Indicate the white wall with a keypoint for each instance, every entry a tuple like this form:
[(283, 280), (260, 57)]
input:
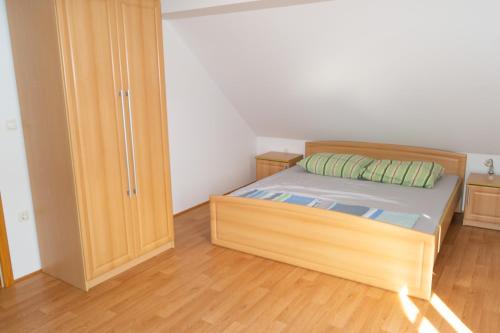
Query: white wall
[(211, 147), (265, 144), (14, 181), (475, 163), (424, 73)]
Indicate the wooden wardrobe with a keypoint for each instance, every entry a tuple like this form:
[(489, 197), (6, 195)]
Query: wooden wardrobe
[(92, 94)]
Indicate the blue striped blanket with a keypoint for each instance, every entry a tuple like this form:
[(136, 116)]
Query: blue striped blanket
[(406, 220)]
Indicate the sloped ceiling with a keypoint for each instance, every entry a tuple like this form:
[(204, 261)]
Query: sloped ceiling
[(423, 72), (173, 9)]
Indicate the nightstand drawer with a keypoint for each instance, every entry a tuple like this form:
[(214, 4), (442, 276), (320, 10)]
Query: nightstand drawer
[(268, 168), (483, 204), (273, 162)]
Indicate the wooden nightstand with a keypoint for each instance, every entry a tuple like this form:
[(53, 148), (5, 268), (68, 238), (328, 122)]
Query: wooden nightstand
[(482, 207), (272, 162)]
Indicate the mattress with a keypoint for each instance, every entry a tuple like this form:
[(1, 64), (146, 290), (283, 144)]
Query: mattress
[(429, 203)]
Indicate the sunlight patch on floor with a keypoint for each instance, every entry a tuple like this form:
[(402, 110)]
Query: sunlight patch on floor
[(448, 315), (426, 327), (409, 307)]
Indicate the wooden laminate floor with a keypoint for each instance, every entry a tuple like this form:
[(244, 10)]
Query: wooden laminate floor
[(198, 287)]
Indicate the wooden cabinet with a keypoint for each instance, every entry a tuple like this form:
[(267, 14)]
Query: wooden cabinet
[(273, 162), (91, 85), (483, 202)]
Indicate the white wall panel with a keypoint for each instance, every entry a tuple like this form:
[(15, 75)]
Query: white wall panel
[(211, 147)]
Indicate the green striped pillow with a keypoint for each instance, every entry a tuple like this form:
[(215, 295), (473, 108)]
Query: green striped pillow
[(406, 173), (336, 165)]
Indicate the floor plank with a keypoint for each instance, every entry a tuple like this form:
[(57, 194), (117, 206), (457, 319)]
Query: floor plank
[(198, 287)]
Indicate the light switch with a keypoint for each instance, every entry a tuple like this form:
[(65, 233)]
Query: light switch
[(11, 124), (24, 216)]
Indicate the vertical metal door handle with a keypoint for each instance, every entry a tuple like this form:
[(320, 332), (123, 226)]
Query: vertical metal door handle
[(121, 93), (131, 119), (467, 203)]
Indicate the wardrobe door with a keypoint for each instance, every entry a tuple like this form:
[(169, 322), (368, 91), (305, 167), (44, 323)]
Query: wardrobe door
[(141, 49), (91, 68)]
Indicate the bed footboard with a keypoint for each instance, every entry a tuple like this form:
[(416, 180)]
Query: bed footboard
[(346, 246)]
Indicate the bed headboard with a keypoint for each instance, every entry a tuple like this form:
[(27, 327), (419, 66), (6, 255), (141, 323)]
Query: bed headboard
[(453, 163)]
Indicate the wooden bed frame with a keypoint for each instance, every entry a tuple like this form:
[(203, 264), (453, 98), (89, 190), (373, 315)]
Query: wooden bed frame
[(347, 246)]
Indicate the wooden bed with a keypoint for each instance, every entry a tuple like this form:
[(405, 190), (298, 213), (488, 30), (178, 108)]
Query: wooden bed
[(346, 246)]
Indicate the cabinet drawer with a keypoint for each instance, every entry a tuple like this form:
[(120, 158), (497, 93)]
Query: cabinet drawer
[(268, 168), (483, 204)]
